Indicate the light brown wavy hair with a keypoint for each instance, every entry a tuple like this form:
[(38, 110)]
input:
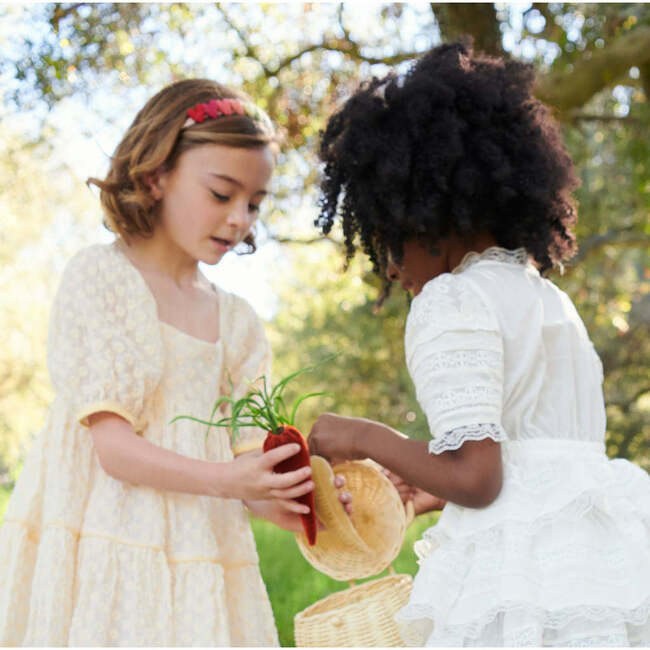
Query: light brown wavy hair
[(156, 139)]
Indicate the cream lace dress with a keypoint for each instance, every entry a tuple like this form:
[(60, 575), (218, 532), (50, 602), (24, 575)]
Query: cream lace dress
[(89, 560), (562, 556)]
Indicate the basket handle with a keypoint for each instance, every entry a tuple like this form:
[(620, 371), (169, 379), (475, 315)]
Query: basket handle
[(391, 571)]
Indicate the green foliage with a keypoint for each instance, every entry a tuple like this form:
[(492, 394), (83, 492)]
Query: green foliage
[(263, 407), (5, 493), (31, 255), (324, 311)]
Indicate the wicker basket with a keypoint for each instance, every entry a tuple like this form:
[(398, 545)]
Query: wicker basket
[(365, 543), (361, 616)]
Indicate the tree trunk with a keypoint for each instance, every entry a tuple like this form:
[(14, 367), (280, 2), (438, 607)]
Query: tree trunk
[(476, 19)]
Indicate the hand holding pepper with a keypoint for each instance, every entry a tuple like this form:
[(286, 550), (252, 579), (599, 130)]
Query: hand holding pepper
[(283, 470), (251, 476)]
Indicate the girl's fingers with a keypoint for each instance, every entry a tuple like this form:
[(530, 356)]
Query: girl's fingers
[(289, 479), (405, 491), (339, 481), (294, 491), (345, 497), (294, 506), (272, 457)]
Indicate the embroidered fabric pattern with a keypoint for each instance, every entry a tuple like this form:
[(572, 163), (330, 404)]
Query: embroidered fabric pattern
[(456, 437), (455, 358)]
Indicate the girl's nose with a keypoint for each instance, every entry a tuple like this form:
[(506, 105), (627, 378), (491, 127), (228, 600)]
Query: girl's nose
[(392, 271), (240, 216)]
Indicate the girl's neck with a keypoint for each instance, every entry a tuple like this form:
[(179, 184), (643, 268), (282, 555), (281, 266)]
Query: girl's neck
[(160, 256), (457, 248)]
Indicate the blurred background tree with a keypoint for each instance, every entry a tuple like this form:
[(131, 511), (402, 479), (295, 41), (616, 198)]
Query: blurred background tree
[(69, 70), (73, 75)]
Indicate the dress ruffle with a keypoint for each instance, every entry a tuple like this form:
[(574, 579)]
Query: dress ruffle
[(560, 558), (95, 591)]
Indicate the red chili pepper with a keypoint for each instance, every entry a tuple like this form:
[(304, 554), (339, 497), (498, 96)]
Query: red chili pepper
[(266, 409), (282, 436)]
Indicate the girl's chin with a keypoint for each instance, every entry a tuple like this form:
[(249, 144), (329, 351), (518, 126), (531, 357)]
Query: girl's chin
[(212, 259)]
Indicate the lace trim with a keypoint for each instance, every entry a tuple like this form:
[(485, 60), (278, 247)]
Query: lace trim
[(454, 359), (453, 439), (457, 634), (495, 254)]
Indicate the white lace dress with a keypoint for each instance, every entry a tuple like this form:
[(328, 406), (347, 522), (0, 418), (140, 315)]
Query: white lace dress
[(89, 560), (562, 556)]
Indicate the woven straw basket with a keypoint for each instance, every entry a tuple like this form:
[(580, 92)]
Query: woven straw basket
[(354, 547)]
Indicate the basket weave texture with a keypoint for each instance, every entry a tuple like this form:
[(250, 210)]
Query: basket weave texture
[(361, 616), (355, 547), (378, 518)]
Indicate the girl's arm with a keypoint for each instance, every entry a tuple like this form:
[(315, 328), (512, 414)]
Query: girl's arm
[(128, 457), (469, 476)]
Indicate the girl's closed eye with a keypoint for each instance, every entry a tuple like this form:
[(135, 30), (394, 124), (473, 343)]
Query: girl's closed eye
[(220, 197)]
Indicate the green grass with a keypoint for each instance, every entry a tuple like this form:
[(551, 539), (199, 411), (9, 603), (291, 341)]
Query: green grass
[(5, 493), (292, 583)]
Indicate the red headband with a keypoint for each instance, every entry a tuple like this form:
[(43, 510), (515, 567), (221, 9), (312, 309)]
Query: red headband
[(216, 108)]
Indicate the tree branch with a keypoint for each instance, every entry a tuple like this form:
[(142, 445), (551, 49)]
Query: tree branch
[(311, 240), (250, 50), (577, 116), (287, 61), (567, 89), (625, 404), (627, 237), (644, 70), (60, 13), (345, 46)]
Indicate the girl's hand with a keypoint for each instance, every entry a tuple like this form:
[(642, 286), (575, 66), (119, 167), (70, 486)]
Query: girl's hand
[(336, 436), (286, 513), (344, 497), (422, 501), (251, 477), (277, 512)]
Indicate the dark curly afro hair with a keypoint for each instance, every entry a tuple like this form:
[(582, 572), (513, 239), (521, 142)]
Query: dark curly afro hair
[(457, 145)]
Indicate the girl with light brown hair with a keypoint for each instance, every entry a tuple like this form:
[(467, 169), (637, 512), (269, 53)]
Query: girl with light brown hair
[(124, 529)]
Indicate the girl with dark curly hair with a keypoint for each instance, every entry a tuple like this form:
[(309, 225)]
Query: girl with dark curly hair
[(456, 183)]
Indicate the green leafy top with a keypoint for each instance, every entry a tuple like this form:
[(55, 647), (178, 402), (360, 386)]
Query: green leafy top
[(259, 407)]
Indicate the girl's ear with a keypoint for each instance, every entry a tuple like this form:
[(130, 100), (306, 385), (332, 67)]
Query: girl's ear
[(155, 182)]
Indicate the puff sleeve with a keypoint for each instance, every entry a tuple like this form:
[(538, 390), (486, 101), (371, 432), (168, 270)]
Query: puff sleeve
[(104, 346), (454, 353), (247, 358)]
